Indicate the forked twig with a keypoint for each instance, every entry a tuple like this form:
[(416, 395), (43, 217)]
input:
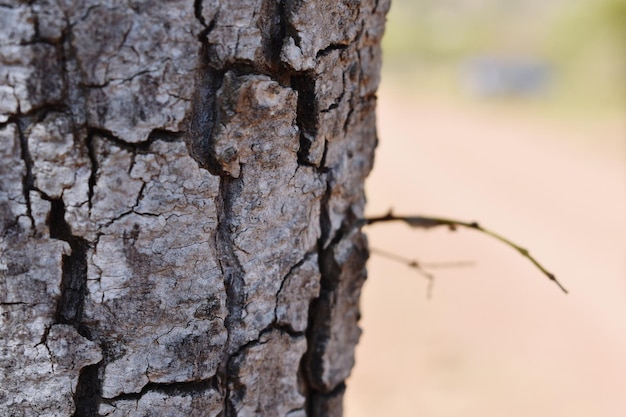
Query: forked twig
[(413, 263), (419, 266), (430, 222)]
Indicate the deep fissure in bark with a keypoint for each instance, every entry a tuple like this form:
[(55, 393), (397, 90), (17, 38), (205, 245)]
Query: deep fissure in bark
[(233, 283), (307, 371), (28, 181), (319, 329), (197, 10), (320, 401), (169, 388), (71, 303), (306, 116), (204, 115), (325, 404), (163, 135), (87, 396), (273, 29), (231, 268), (74, 267), (93, 176)]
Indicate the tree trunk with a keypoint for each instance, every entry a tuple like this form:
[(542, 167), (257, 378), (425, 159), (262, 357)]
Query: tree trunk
[(179, 185)]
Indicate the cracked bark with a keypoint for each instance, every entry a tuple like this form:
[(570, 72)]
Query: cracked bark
[(178, 193)]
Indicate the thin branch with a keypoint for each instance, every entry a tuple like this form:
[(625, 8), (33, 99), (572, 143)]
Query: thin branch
[(430, 222), (419, 267), (413, 263)]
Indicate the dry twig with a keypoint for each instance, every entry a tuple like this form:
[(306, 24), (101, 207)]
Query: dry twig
[(430, 222), (420, 267)]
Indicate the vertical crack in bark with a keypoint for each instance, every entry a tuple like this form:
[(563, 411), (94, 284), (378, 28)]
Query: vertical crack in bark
[(318, 331), (306, 115), (87, 396), (93, 177), (325, 404), (232, 269), (314, 306), (197, 10), (203, 113), (28, 181), (321, 399), (74, 266), (71, 302), (232, 272), (272, 23), (325, 224)]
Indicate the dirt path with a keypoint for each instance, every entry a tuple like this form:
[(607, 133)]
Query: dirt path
[(496, 339)]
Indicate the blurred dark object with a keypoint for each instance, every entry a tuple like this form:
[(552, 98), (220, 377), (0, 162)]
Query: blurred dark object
[(513, 77)]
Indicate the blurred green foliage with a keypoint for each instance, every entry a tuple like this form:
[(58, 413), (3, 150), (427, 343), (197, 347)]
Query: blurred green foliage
[(583, 42)]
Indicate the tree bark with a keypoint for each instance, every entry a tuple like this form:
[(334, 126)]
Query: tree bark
[(179, 189)]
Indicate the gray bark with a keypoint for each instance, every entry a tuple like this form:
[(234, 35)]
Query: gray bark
[(179, 184)]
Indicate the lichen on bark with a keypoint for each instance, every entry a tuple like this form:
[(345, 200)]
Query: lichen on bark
[(178, 193)]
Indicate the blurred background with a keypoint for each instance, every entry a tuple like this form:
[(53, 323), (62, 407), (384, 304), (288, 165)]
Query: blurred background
[(513, 114)]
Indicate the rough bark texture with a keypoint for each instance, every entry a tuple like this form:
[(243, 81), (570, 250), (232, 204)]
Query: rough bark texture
[(179, 183)]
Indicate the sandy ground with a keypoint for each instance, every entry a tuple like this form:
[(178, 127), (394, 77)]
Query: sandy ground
[(496, 339)]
